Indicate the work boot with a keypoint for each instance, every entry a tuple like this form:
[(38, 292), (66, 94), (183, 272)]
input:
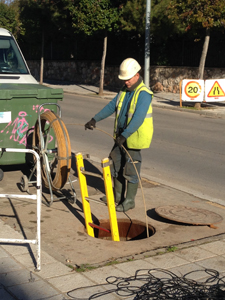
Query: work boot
[(129, 202), (119, 188)]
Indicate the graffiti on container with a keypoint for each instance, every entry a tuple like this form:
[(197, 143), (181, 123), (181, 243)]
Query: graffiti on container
[(35, 107), (18, 128)]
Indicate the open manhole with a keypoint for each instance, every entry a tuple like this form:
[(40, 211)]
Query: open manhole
[(129, 230)]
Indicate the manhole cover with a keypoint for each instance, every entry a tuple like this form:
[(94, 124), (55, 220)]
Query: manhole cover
[(188, 215)]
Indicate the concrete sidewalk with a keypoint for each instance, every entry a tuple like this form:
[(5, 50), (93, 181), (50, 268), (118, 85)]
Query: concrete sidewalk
[(159, 265), (201, 263)]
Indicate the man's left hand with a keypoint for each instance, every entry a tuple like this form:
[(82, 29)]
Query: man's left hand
[(120, 140)]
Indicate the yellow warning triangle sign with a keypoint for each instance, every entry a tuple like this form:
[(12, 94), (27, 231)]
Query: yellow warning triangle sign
[(216, 91)]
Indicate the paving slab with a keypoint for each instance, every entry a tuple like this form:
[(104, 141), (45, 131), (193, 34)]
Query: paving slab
[(217, 247), (130, 269), (7, 264), (5, 295), (91, 292), (195, 272), (3, 253), (213, 263), (167, 261), (33, 291), (71, 281), (196, 253), (17, 277)]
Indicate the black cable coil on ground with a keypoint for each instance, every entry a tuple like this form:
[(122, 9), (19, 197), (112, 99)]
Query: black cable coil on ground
[(158, 284)]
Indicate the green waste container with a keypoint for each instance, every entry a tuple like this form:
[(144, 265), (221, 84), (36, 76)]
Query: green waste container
[(18, 114)]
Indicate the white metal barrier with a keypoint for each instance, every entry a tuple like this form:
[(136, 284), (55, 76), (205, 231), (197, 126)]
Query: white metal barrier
[(37, 197)]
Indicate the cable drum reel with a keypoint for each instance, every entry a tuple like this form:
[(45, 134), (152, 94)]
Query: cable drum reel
[(52, 143), (56, 162)]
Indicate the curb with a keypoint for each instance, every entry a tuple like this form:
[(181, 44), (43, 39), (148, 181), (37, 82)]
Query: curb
[(200, 112)]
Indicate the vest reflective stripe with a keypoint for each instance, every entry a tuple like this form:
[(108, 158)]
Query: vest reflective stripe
[(147, 116), (141, 138)]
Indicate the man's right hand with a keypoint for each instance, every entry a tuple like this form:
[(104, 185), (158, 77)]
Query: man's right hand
[(90, 124), (120, 140)]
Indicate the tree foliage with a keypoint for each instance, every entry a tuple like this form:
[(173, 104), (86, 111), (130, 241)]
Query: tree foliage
[(162, 28), (90, 16), (9, 18), (196, 14), (41, 14), (133, 16), (43, 17)]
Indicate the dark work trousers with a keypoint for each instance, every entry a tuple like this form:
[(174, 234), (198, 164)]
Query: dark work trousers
[(122, 164)]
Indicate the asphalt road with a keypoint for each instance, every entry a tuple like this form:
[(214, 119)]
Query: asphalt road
[(187, 151)]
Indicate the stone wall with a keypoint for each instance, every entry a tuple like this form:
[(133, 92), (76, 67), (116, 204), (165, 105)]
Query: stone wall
[(88, 72)]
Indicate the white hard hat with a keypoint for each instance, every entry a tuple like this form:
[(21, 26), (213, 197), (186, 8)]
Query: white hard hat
[(128, 68)]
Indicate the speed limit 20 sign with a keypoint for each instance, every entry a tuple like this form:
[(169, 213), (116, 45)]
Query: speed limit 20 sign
[(192, 90)]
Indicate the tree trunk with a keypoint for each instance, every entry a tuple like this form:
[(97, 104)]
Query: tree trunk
[(103, 66), (204, 54), (42, 58), (203, 59)]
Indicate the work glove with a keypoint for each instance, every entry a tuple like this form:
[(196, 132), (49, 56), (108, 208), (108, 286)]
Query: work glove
[(120, 140), (90, 124)]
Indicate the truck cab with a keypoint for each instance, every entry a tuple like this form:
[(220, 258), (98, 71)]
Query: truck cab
[(13, 67)]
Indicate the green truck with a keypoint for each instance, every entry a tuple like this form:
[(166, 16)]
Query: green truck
[(20, 97)]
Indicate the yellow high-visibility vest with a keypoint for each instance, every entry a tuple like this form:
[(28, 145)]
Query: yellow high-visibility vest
[(141, 138)]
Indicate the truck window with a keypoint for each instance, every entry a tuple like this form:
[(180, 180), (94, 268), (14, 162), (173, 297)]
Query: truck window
[(11, 61)]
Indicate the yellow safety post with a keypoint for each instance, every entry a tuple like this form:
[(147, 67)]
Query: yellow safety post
[(84, 194), (110, 200)]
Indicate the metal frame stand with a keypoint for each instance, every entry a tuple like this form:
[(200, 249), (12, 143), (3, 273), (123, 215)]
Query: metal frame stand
[(37, 197)]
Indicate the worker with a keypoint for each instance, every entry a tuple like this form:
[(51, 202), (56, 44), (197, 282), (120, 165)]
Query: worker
[(133, 129)]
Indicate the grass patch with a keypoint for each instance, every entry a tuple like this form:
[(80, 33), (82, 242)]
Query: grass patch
[(110, 263), (130, 259), (81, 268), (191, 107), (171, 249)]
